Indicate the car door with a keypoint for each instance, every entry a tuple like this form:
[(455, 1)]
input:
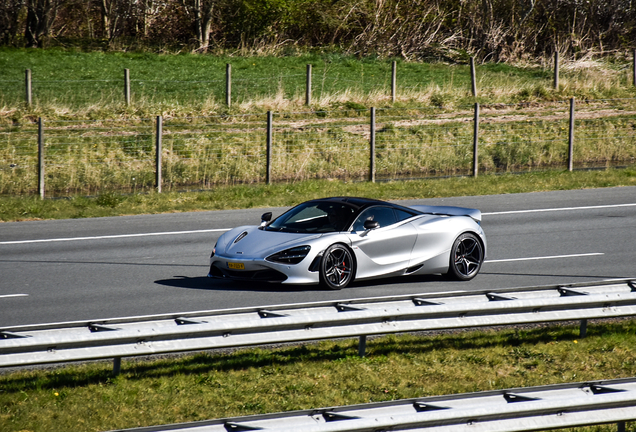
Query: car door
[(385, 249)]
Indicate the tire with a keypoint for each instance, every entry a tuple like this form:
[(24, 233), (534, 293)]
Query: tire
[(466, 257), (337, 267)]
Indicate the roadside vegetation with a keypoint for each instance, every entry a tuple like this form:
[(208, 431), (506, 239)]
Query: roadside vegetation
[(96, 144), (261, 380)]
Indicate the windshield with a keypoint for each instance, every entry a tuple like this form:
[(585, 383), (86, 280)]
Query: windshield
[(314, 217)]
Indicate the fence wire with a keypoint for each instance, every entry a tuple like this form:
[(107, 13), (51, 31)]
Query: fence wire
[(197, 153)]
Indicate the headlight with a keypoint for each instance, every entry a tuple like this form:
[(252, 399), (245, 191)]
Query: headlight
[(290, 256), (213, 250)]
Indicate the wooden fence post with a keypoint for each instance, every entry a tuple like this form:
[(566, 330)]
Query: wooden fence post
[(556, 69), (571, 137), (268, 173), (372, 147), (158, 153), (308, 86), (393, 81), (27, 85), (228, 85), (41, 157), (473, 77), (127, 86), (476, 141)]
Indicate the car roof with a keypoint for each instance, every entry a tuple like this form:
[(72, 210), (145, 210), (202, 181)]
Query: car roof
[(358, 203), (352, 201)]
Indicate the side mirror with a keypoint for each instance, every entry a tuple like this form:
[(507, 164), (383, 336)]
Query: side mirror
[(371, 224), (266, 217)]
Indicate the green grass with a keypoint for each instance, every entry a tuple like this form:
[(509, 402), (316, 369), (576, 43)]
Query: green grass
[(288, 194), (187, 81), (254, 381), (68, 84)]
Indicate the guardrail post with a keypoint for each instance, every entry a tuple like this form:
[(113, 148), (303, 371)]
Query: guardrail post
[(127, 86), (583, 329), (393, 81), (362, 346), (556, 69), (268, 174), (476, 141), (27, 85), (473, 78), (571, 138), (41, 157), (116, 366), (372, 147), (158, 152), (308, 86), (228, 85)]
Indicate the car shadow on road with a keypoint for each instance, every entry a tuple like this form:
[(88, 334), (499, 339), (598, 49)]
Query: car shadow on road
[(212, 284)]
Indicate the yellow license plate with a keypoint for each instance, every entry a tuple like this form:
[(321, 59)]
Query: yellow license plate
[(236, 266)]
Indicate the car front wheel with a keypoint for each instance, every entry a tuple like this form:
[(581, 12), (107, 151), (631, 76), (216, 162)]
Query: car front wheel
[(337, 267), (466, 257)]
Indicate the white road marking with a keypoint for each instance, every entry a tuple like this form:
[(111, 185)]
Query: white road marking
[(13, 295), (559, 209), (113, 236), (545, 257)]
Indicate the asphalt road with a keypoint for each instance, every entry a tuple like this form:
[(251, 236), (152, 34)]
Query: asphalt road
[(85, 269)]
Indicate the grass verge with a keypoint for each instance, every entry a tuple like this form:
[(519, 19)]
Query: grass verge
[(253, 196), (70, 84), (217, 385)]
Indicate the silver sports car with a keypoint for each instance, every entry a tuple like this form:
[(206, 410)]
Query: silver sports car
[(333, 241)]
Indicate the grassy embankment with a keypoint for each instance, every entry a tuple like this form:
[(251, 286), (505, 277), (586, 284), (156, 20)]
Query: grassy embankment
[(73, 84), (330, 140)]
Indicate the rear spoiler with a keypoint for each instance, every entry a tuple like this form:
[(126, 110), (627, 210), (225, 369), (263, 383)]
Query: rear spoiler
[(449, 211)]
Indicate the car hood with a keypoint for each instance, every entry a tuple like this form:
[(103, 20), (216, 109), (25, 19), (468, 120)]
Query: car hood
[(254, 242)]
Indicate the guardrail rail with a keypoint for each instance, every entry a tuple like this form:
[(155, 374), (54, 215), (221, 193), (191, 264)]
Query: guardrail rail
[(519, 409), (193, 331)]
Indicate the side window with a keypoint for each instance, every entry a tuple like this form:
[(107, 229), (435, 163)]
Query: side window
[(402, 215), (383, 215)]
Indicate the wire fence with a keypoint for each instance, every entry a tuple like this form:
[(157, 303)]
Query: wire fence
[(79, 82), (243, 86), (198, 153)]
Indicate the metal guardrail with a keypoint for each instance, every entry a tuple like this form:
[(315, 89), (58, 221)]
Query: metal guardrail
[(519, 409), (135, 336)]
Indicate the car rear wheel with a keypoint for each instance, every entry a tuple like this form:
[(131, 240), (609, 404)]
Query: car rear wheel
[(337, 267), (466, 257)]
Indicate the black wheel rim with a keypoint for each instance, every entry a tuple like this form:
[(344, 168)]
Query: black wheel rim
[(468, 256), (338, 266)]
